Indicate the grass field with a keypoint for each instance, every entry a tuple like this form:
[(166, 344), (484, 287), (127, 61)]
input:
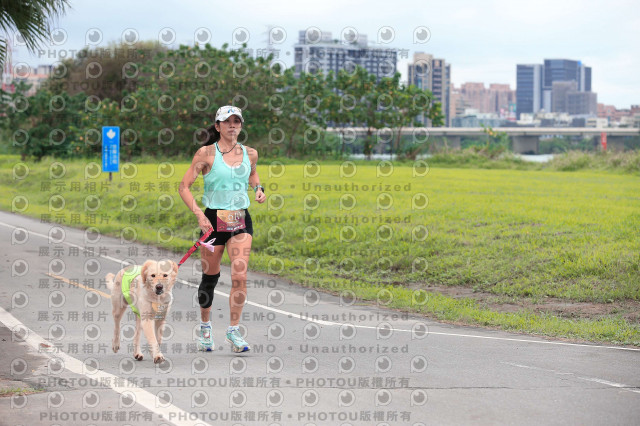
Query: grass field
[(545, 252)]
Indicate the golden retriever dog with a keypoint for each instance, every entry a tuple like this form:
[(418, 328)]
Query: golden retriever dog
[(147, 289)]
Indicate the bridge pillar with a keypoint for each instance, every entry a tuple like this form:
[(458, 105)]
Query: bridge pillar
[(526, 144), (452, 142)]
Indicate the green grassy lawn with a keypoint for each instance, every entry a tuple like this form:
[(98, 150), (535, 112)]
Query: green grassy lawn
[(391, 234)]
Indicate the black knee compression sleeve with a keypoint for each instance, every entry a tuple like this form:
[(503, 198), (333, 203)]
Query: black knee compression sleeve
[(205, 291)]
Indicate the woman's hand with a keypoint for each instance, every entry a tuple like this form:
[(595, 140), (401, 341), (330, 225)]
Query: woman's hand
[(260, 196), (203, 222)]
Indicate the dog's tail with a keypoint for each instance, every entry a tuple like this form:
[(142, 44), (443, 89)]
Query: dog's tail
[(110, 282)]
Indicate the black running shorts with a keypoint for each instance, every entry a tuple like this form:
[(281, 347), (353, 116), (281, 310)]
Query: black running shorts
[(223, 237)]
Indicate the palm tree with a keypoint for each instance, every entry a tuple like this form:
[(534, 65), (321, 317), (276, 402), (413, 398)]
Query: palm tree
[(29, 17)]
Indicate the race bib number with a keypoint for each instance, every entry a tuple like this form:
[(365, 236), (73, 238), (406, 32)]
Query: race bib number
[(230, 220)]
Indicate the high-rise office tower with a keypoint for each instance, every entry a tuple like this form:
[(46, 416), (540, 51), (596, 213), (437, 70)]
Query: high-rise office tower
[(528, 88), (534, 91), (429, 73), (563, 70)]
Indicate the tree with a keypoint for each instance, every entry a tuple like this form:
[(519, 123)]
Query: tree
[(497, 142), (298, 105), (43, 124), (354, 102), (14, 116), (109, 73), (178, 93), (409, 103), (377, 107), (165, 113), (29, 17), (339, 109)]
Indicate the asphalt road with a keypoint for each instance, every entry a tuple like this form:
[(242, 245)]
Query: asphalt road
[(316, 359)]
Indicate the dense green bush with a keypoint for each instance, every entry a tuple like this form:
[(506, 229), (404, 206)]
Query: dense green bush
[(628, 161)]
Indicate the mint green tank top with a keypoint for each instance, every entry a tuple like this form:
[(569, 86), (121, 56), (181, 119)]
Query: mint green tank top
[(225, 187)]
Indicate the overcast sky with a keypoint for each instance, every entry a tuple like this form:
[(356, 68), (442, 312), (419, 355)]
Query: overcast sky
[(483, 40)]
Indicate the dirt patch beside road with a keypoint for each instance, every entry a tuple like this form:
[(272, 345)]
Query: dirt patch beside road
[(629, 310)]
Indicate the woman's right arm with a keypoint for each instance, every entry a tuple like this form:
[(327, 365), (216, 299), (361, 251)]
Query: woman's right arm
[(197, 166)]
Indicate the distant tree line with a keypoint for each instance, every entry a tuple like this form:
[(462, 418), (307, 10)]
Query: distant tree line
[(164, 100)]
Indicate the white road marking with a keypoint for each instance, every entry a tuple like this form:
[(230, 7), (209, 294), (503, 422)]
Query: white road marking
[(588, 379), (331, 323), (142, 397), (608, 383), (542, 342)]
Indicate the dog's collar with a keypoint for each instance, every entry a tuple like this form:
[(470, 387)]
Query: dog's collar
[(160, 310)]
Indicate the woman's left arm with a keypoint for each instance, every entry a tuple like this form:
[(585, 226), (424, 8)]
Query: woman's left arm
[(254, 179)]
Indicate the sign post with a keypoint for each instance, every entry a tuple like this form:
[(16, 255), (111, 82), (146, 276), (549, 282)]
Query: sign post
[(110, 149)]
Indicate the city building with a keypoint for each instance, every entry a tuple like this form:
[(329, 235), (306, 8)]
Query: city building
[(619, 117), (502, 100), (609, 112), (597, 122), (322, 53), (535, 82), (582, 103), (528, 119), (559, 92), (429, 73), (474, 118), (457, 105), (473, 101), (498, 98), (22, 72), (563, 70), (549, 119), (475, 96), (528, 89), (630, 121)]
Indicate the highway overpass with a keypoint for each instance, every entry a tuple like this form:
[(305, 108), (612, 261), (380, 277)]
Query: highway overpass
[(524, 139)]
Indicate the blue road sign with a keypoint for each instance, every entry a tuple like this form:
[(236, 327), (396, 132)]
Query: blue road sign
[(110, 148)]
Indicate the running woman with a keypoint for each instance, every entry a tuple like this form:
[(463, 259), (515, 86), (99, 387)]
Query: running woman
[(228, 168)]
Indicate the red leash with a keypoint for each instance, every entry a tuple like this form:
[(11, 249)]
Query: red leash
[(195, 246)]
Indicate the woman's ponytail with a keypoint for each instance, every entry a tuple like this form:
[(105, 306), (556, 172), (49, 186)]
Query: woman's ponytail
[(214, 135)]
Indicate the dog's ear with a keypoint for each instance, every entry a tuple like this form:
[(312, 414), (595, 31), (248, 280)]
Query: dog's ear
[(175, 267), (145, 270)]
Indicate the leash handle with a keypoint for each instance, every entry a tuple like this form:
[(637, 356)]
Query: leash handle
[(195, 246)]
